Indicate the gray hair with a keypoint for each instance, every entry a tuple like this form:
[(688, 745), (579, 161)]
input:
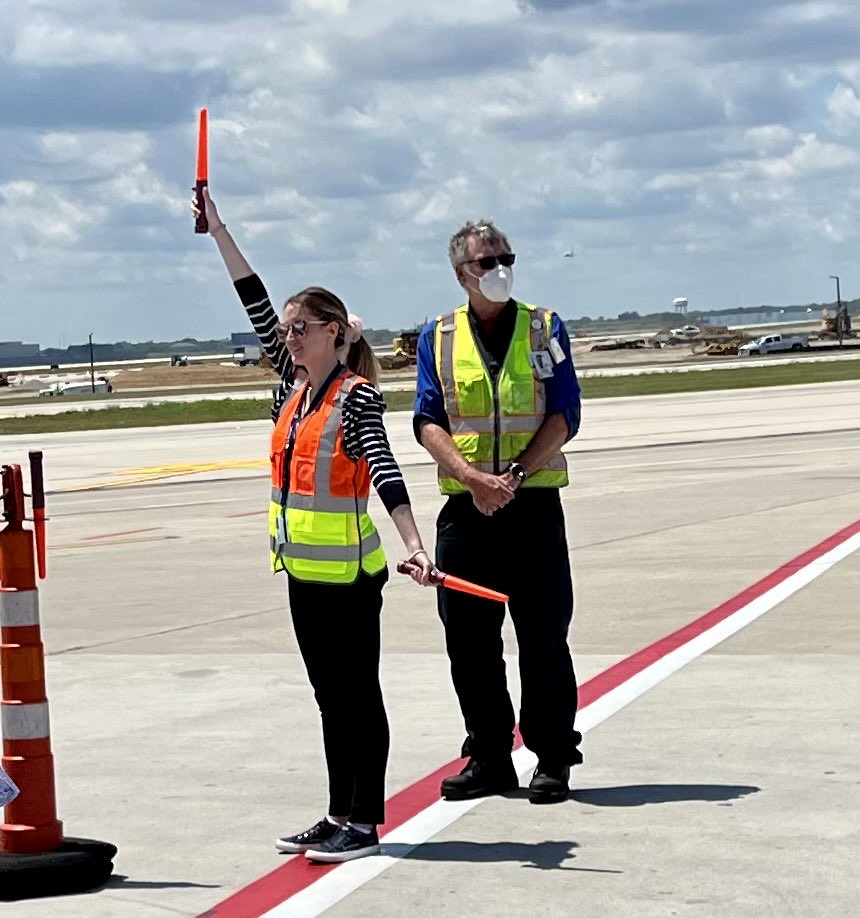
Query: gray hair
[(483, 229)]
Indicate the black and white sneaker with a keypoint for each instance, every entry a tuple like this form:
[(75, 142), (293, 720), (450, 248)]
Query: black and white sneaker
[(347, 844), (310, 838)]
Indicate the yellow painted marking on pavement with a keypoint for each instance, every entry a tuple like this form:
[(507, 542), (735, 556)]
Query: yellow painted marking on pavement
[(149, 474), (191, 468)]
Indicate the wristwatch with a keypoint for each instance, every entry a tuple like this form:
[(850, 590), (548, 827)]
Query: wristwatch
[(517, 471)]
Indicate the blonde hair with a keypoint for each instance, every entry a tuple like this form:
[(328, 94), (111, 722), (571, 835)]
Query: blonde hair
[(328, 307)]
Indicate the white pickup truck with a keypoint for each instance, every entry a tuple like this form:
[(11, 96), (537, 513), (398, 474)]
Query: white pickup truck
[(769, 344)]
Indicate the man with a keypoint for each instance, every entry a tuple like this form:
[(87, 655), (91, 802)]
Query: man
[(497, 398)]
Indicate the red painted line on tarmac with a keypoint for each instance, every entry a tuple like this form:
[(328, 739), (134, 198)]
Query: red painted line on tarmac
[(236, 516), (111, 535), (298, 873), (613, 677)]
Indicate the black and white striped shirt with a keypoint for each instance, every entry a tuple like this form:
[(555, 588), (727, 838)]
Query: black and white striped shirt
[(364, 434)]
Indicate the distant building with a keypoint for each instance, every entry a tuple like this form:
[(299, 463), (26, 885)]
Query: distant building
[(763, 316), (243, 339), (16, 353)]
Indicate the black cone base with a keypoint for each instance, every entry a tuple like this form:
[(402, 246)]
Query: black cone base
[(79, 866)]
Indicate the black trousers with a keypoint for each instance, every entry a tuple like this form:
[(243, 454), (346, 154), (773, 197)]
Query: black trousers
[(337, 628), (521, 550)]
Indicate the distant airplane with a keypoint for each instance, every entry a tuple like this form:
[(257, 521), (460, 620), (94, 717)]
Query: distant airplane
[(570, 254)]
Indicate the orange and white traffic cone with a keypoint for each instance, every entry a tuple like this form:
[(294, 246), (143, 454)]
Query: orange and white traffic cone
[(35, 858)]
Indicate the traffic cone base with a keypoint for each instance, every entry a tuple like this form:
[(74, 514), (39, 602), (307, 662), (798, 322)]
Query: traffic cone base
[(80, 865)]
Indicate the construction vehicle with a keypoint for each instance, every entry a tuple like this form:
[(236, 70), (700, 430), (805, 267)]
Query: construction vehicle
[(727, 348), (247, 355), (831, 326), (717, 340), (618, 344), (406, 344), (405, 354)]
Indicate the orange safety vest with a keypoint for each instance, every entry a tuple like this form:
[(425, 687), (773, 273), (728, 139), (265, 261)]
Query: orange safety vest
[(319, 530)]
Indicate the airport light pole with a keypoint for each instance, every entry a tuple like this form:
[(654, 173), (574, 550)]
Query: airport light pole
[(840, 321), (92, 367)]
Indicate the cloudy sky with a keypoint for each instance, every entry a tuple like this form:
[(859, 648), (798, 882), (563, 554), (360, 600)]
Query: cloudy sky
[(682, 147)]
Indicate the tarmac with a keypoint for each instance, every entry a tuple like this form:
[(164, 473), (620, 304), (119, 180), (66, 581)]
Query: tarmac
[(185, 732)]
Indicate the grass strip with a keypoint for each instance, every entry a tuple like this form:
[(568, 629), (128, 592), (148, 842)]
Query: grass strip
[(754, 377), (225, 410)]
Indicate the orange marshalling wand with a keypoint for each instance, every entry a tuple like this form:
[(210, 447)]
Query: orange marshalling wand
[(440, 578), (203, 146), (37, 486), (201, 225)]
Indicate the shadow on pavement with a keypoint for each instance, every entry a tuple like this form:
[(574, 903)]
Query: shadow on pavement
[(118, 881), (643, 794), (548, 855)]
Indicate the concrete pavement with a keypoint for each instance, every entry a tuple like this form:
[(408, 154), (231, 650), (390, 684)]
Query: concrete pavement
[(185, 732)]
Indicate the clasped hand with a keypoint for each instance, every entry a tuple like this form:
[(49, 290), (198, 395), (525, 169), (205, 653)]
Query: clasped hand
[(491, 492)]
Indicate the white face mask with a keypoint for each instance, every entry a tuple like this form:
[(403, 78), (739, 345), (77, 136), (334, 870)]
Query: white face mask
[(496, 284)]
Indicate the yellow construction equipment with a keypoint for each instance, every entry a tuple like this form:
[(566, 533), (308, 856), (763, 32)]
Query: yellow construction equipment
[(405, 351)]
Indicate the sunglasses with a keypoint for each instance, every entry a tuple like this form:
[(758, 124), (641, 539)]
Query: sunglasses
[(299, 329), (488, 262)]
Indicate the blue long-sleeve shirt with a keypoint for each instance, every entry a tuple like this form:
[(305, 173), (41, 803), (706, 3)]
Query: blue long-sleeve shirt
[(562, 388)]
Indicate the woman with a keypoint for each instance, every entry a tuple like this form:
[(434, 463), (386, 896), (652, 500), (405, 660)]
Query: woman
[(329, 443)]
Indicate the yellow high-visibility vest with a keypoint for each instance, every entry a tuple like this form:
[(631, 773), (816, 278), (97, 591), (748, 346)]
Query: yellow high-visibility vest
[(320, 529), (492, 425)]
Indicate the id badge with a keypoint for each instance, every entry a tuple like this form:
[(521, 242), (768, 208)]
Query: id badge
[(556, 351), (542, 363), (280, 534)]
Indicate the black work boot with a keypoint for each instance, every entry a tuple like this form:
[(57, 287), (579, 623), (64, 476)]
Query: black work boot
[(549, 783), (480, 778)]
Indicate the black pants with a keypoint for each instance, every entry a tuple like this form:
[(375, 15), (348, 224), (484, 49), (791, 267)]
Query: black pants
[(521, 550), (337, 628)]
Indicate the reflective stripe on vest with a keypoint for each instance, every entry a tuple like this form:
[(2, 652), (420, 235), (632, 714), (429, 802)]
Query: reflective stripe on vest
[(324, 502), (330, 552), (492, 426), (330, 536)]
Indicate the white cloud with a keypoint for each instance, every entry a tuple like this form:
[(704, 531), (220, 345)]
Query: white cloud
[(441, 204), (812, 155), (337, 7), (36, 220), (843, 107), (45, 40), (99, 150)]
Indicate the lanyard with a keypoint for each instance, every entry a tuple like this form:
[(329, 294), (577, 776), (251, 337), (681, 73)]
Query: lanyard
[(306, 406), (297, 418)]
